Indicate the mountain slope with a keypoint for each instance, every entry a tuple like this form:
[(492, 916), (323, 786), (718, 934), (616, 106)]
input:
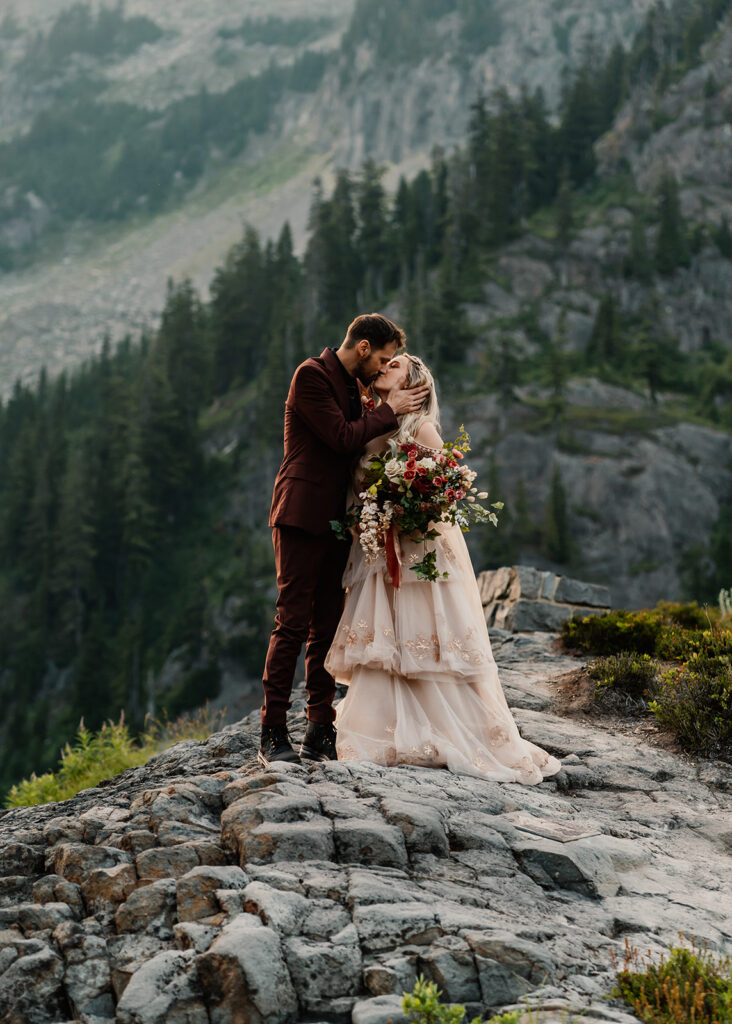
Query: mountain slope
[(96, 279)]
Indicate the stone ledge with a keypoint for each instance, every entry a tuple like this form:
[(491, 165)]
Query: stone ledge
[(520, 597)]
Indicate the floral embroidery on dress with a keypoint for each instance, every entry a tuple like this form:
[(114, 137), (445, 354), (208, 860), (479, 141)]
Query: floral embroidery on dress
[(351, 635), (498, 736), (422, 647), (472, 657)]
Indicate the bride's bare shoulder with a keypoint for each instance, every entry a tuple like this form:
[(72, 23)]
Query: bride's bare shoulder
[(428, 437)]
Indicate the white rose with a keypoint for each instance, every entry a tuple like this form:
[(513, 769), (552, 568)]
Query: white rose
[(393, 469), (427, 463)]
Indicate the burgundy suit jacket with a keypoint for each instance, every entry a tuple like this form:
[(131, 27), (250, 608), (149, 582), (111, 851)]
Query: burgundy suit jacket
[(320, 443)]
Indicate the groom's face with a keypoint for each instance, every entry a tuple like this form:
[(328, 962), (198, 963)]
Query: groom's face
[(372, 362)]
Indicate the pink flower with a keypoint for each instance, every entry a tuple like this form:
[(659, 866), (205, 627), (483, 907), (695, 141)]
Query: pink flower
[(457, 454), (409, 474), (411, 464), (460, 494), (450, 494), (421, 470)]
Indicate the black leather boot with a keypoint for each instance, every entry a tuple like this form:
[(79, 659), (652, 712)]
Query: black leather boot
[(319, 742), (275, 745)]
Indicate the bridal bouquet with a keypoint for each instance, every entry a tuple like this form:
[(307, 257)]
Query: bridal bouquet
[(409, 493)]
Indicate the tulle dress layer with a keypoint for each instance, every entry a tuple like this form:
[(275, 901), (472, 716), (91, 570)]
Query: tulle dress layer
[(423, 684)]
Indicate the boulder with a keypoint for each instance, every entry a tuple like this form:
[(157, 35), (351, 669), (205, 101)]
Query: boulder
[(369, 842), (164, 991), (196, 890), (244, 977)]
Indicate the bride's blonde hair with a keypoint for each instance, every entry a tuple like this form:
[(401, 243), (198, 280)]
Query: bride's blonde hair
[(418, 373)]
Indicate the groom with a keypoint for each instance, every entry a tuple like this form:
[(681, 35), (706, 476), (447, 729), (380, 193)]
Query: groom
[(326, 425)]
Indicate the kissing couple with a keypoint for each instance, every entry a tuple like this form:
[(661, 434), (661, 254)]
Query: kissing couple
[(423, 685)]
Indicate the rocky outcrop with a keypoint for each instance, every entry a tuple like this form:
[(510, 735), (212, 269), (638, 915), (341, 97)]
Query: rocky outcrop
[(200, 888), (520, 597)]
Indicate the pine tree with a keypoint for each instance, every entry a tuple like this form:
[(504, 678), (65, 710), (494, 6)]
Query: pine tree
[(723, 238), (497, 545), (638, 263), (73, 577), (184, 337), (524, 529), (565, 210), (556, 368), (239, 313), (372, 234), (671, 247), (604, 346), (556, 534)]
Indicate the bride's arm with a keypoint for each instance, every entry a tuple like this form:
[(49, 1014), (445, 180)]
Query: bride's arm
[(428, 437)]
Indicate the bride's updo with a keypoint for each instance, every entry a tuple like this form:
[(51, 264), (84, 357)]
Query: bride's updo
[(418, 373)]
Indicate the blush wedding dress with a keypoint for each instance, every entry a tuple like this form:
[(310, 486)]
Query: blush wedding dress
[(423, 685)]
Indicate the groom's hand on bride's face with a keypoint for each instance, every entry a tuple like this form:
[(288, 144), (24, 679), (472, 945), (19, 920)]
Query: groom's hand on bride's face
[(406, 400)]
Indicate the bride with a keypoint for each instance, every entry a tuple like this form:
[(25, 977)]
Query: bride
[(423, 685)]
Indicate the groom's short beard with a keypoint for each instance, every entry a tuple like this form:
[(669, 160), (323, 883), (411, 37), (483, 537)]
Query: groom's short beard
[(366, 379)]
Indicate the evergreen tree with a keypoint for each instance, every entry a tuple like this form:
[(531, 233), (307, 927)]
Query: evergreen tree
[(185, 339), (525, 531), (556, 368), (372, 235), (239, 313), (604, 346), (557, 538), (565, 209), (671, 247), (498, 546), (723, 238), (582, 122), (638, 263)]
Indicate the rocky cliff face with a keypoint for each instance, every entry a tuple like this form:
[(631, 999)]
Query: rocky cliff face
[(114, 281), (200, 888)]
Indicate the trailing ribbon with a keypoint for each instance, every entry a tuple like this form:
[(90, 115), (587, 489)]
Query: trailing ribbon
[(392, 562)]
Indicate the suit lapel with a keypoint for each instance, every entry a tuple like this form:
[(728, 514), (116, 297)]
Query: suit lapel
[(335, 371)]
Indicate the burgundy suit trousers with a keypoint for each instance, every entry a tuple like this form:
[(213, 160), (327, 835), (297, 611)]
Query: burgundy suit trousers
[(309, 606)]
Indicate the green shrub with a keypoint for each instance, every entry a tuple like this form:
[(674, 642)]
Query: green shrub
[(97, 756), (686, 988), (422, 1005), (623, 675), (613, 632), (665, 630), (694, 701), (677, 644)]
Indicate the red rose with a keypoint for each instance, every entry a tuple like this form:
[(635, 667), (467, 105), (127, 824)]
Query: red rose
[(411, 464), (412, 451), (421, 470), (368, 403), (438, 481), (451, 463), (404, 447), (450, 494), (409, 474)]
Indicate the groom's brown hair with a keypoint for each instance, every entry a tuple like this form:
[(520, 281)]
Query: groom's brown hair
[(378, 330)]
